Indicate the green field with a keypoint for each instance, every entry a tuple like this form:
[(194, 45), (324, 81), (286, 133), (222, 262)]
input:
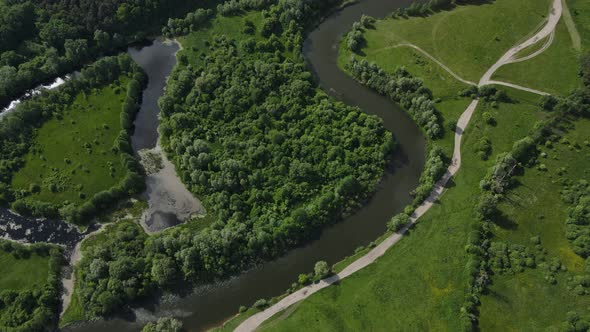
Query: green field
[(23, 273), (425, 270), (580, 12), (446, 35), (535, 208), (71, 158), (554, 71)]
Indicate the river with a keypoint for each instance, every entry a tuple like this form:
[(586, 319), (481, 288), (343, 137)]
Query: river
[(210, 305)]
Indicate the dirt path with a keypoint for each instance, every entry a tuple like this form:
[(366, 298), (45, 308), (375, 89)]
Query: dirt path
[(539, 51), (256, 320), (571, 27), (510, 56), (69, 276), (442, 65)]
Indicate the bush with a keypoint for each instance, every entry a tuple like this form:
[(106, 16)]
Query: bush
[(489, 118), (261, 304), (367, 21), (164, 324), (452, 126), (398, 222), (484, 148), (355, 39), (321, 270), (304, 279), (524, 150)]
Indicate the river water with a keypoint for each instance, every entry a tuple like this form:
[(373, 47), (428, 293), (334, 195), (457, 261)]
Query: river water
[(169, 201), (210, 305)]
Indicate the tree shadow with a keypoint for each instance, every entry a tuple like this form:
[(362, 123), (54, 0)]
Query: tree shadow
[(504, 222), (451, 183)]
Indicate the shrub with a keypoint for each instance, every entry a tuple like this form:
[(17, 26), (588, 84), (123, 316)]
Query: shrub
[(398, 222), (304, 279), (321, 270), (489, 118), (484, 148), (261, 304), (165, 324)]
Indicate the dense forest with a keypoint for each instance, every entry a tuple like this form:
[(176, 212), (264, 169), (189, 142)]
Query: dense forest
[(273, 158), (42, 39), (18, 129)]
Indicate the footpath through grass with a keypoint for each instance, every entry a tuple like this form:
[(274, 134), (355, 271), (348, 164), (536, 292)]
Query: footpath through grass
[(468, 39), (419, 283), (71, 159), (541, 298), (554, 71)]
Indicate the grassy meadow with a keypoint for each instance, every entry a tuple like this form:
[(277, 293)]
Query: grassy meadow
[(527, 301), (468, 39), (554, 71), (580, 13), (71, 158), (23, 273), (445, 88), (424, 270)]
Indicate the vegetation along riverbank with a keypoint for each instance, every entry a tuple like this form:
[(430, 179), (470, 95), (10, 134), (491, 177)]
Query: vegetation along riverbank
[(491, 98), (498, 250), (241, 85)]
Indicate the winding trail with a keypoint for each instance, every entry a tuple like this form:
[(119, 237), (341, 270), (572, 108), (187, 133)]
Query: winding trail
[(442, 65), (256, 320)]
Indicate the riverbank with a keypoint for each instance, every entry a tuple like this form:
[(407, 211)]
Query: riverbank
[(319, 311), (210, 303), (170, 203)]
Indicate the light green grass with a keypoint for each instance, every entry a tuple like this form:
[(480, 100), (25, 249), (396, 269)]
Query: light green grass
[(92, 119), (580, 11), (419, 283), (571, 27), (195, 44), (526, 301), (554, 71), (468, 39), (23, 273)]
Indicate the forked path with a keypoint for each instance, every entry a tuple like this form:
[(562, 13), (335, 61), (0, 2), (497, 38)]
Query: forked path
[(256, 320)]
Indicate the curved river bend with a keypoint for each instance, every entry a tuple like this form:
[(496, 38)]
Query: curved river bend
[(210, 305)]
